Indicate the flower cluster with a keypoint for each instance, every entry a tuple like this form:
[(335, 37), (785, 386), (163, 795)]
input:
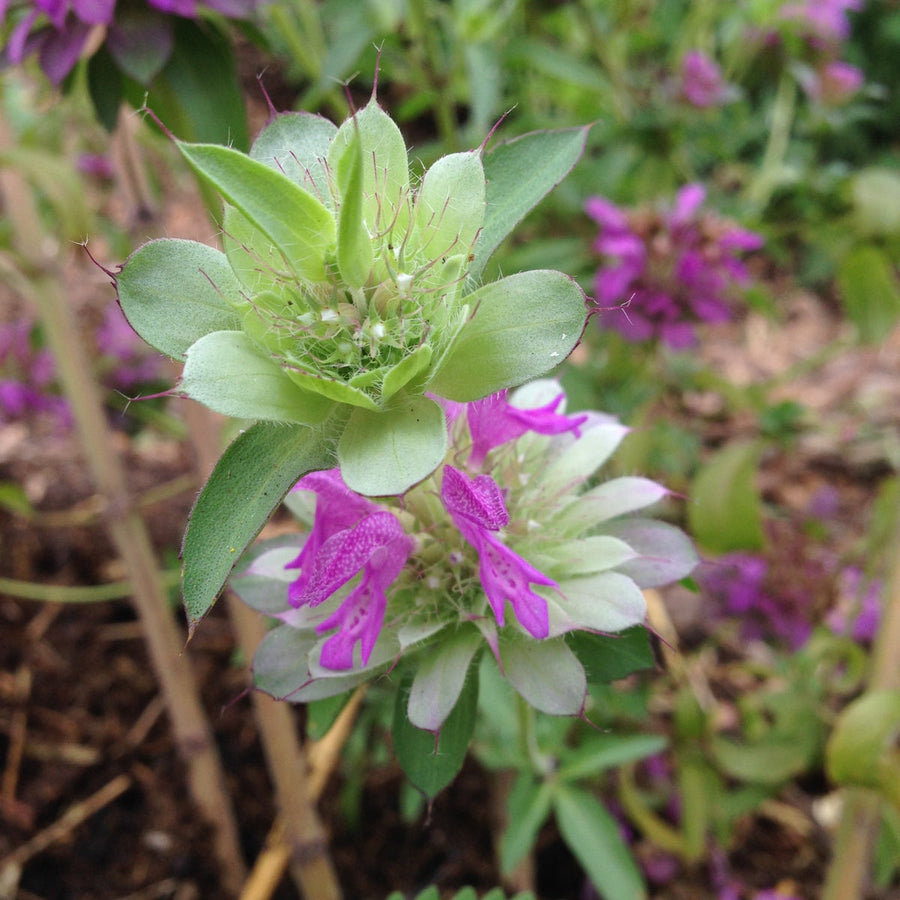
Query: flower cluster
[(139, 36), (668, 270), (27, 372), (504, 545)]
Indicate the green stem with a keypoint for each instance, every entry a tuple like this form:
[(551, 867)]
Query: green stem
[(542, 763), (861, 813), (60, 593), (191, 730), (761, 188)]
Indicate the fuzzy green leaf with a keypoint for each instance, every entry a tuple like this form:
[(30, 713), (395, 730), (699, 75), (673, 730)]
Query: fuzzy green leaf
[(520, 173), (521, 327), (296, 144), (450, 206), (301, 227), (384, 453), (604, 751), (870, 291), (430, 762), (174, 292), (354, 247), (527, 663), (248, 482), (440, 678), (226, 372)]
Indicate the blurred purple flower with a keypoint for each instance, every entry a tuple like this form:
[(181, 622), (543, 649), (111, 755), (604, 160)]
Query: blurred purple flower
[(668, 270), (823, 20), (738, 582), (834, 83), (26, 376), (857, 610), (702, 83), (116, 339), (58, 30)]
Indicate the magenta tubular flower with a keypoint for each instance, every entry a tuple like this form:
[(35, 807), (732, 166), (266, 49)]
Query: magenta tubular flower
[(494, 422), (350, 535), (667, 271), (477, 508), (701, 81), (835, 83)]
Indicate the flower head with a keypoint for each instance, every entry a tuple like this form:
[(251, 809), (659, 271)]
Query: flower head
[(669, 270), (441, 568), (347, 295)]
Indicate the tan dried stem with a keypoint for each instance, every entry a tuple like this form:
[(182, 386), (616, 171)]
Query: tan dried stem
[(191, 730)]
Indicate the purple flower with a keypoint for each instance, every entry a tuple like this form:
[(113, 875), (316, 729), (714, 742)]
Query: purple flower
[(477, 508), (857, 611), (668, 270), (117, 340), (58, 30), (349, 535), (824, 20), (701, 81), (834, 83), (494, 422)]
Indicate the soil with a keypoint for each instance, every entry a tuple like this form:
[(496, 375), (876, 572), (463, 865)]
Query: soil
[(80, 707)]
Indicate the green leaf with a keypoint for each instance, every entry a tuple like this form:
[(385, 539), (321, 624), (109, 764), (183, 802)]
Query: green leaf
[(520, 173), (528, 808), (281, 667), (296, 144), (610, 657), (862, 748), (174, 292), (249, 481), (450, 206), (104, 81), (593, 836), (607, 602), (526, 663), (521, 327), (605, 751), (767, 761), (870, 292), (386, 453), (320, 715), (226, 372), (440, 678), (354, 247), (198, 93), (725, 513), (144, 41), (432, 763), (299, 226), (385, 168)]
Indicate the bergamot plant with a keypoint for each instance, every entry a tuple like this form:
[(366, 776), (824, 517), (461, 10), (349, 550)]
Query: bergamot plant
[(348, 298)]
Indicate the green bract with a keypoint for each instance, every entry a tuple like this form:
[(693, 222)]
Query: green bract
[(346, 294)]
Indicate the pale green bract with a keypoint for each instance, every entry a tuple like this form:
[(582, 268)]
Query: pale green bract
[(346, 296)]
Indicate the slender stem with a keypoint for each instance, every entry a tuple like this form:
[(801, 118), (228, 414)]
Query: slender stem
[(192, 733), (760, 189), (861, 813), (61, 593)]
